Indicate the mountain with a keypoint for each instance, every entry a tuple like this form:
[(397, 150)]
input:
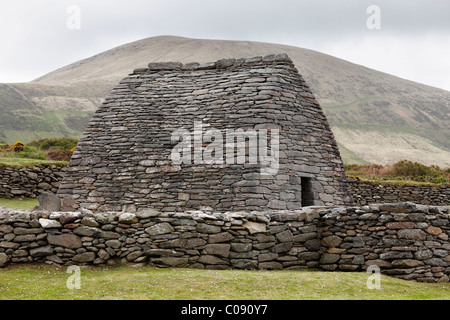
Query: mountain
[(375, 117)]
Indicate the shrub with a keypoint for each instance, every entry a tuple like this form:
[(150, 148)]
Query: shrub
[(55, 143), (401, 170), (59, 155), (27, 152), (418, 172), (17, 147)]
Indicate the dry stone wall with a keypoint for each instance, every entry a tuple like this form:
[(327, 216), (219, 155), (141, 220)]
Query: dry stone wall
[(405, 240), (365, 192), (29, 182)]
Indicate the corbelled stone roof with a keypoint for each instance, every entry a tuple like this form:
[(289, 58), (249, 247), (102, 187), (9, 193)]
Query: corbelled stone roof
[(163, 138)]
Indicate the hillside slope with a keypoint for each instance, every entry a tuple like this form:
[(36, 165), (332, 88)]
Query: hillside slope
[(376, 117)]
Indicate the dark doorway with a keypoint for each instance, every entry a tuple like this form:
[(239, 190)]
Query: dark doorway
[(307, 192)]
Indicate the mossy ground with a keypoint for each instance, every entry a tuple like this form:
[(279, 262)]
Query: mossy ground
[(42, 282), (23, 204)]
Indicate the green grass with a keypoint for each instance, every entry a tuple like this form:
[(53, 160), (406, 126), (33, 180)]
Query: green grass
[(24, 162), (50, 283), (23, 204)]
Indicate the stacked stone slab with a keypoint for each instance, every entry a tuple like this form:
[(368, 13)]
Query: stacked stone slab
[(365, 192), (404, 240), (29, 182), (123, 161)]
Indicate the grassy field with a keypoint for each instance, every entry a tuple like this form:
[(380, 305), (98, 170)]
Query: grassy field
[(56, 151), (50, 283), (23, 204), (24, 162)]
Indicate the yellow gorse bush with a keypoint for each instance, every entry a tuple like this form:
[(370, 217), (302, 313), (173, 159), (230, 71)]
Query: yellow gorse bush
[(17, 147)]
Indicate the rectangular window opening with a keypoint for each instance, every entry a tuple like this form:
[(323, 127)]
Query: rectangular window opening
[(307, 192)]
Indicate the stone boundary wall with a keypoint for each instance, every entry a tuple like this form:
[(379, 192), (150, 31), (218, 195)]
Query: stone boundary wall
[(365, 192), (29, 182), (405, 240)]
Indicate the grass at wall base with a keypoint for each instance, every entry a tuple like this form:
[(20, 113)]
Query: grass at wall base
[(44, 282)]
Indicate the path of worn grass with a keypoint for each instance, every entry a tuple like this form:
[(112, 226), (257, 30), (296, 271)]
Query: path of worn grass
[(50, 283)]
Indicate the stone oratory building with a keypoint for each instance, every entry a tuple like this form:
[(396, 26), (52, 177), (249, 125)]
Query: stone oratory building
[(235, 134)]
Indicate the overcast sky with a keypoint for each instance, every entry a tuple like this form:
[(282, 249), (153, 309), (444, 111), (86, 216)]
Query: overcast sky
[(406, 38)]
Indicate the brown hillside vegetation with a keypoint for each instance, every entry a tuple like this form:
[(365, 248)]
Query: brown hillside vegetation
[(403, 170)]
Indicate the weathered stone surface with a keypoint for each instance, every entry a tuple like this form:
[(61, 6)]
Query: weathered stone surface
[(369, 216), (281, 247), (108, 234), (285, 236), (436, 262), (391, 255), (244, 255), (241, 247), (89, 221), (434, 230), (171, 261), (4, 229), (41, 251), (400, 225), (134, 255), (22, 231), (113, 243), (267, 256), (247, 264), (271, 265), (331, 241), (71, 241), (254, 227), (49, 202), (222, 250), (210, 259), (9, 245), (128, 218), (55, 258), (87, 231), (312, 245), (308, 256), (378, 262), (220, 237), (3, 259), (160, 228), (25, 238), (423, 254), (147, 213), (407, 263), (261, 238), (49, 223), (68, 217), (84, 257), (329, 258), (415, 234), (207, 228), (305, 236)]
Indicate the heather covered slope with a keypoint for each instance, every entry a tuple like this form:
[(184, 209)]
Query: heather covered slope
[(376, 117)]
